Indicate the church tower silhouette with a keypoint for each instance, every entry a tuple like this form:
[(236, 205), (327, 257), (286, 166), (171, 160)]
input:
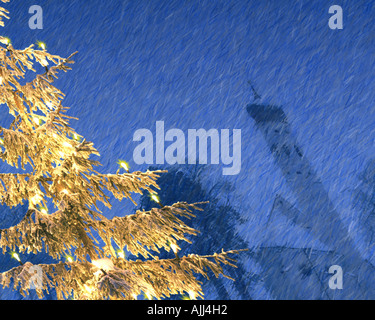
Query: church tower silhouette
[(316, 213)]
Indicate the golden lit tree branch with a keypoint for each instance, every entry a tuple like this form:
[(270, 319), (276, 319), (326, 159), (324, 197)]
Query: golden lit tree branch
[(61, 173), (147, 231), (122, 279)]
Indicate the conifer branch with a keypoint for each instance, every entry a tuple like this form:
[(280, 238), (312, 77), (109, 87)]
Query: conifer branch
[(121, 279), (62, 173)]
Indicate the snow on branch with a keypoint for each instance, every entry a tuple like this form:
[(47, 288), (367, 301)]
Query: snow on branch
[(3, 13), (148, 230), (120, 279), (61, 171)]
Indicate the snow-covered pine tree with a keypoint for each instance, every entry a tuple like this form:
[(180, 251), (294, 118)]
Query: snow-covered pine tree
[(58, 171)]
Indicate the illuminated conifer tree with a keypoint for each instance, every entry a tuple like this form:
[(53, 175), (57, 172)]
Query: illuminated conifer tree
[(58, 171)]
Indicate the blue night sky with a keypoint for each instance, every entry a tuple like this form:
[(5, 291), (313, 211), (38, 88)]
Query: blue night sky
[(187, 63)]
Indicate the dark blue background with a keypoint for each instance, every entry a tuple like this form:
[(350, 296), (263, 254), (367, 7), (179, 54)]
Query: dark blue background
[(187, 63)]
